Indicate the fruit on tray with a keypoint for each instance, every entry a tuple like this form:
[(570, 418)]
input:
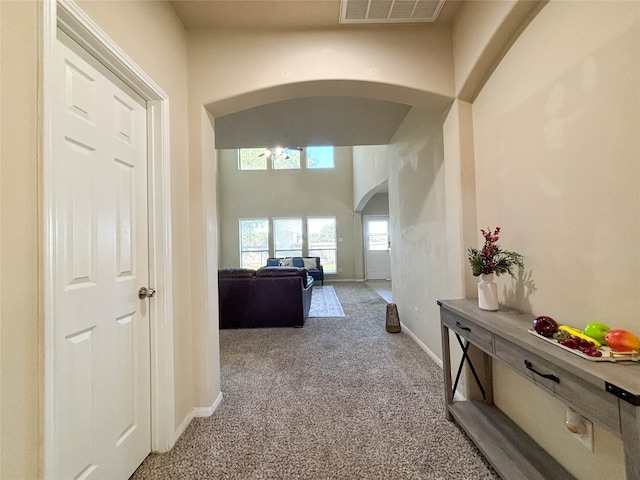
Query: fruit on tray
[(545, 326), (620, 340), (577, 333), (576, 343), (596, 330)]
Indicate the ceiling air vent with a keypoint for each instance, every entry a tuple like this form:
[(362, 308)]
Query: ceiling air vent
[(389, 11)]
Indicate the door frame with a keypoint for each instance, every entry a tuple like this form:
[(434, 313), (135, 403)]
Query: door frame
[(66, 15), (365, 232)]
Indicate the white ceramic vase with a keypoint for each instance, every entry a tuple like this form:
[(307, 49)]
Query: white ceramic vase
[(487, 293)]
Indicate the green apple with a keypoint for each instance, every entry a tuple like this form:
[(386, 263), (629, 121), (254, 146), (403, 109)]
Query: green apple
[(597, 331)]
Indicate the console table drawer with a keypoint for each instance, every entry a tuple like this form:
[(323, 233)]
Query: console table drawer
[(479, 336), (592, 402)]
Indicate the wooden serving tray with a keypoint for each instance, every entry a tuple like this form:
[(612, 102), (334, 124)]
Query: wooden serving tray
[(608, 355)]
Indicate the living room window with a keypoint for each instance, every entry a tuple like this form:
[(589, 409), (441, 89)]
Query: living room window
[(321, 232), (287, 237), (254, 242), (320, 157), (252, 159), (285, 158)]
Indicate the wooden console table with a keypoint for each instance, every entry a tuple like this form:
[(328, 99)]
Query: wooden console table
[(607, 394)]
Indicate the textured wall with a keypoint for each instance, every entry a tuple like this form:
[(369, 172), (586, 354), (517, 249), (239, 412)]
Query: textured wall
[(556, 150), (417, 214), (226, 65), (20, 382), (370, 171)]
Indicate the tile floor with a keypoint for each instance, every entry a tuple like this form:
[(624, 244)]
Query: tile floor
[(382, 288)]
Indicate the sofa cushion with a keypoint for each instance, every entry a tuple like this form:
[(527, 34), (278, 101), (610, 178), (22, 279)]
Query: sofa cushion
[(298, 262), (273, 262), (286, 262), (282, 272), (310, 263), (277, 271), (236, 273)]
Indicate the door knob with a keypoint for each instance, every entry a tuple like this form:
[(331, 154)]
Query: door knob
[(145, 292)]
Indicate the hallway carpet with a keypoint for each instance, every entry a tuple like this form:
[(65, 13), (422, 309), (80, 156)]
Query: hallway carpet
[(338, 399)]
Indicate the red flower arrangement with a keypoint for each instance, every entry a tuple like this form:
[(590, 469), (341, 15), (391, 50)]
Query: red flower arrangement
[(492, 259)]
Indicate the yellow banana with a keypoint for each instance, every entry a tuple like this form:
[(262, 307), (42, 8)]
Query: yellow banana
[(577, 333)]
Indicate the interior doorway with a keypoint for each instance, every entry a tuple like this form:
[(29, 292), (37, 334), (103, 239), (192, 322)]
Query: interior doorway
[(377, 244), (72, 240), (101, 334)]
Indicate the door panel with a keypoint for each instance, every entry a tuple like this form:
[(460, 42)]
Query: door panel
[(102, 359), (377, 243)]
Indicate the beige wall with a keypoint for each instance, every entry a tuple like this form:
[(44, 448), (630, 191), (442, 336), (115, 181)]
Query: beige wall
[(287, 193), (474, 30), (417, 215), (377, 205), (370, 172), (460, 198), (557, 140), (204, 265), (482, 34), (158, 45), (20, 382), (235, 69)]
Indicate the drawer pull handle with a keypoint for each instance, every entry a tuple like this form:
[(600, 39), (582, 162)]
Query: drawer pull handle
[(527, 364), (462, 327)]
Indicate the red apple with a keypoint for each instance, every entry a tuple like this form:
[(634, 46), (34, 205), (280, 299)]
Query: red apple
[(620, 340), (545, 326)]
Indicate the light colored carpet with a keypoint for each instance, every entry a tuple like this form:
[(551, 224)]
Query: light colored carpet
[(338, 399), (325, 303)]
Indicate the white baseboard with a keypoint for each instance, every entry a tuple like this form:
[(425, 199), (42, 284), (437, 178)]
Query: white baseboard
[(207, 411), (427, 350), (458, 396), (183, 426), (197, 412)]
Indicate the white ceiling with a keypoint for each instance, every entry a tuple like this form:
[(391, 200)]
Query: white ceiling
[(257, 14), (269, 14), (302, 121)]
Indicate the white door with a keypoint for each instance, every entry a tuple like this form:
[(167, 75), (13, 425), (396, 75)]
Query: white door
[(376, 244), (101, 376)]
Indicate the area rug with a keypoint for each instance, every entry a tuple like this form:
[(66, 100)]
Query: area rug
[(325, 303)]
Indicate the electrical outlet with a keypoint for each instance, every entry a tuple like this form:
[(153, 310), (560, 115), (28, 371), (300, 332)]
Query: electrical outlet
[(416, 313), (587, 436), (581, 428), (339, 270)]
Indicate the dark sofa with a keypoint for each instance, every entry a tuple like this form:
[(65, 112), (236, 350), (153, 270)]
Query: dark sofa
[(311, 264), (267, 297)]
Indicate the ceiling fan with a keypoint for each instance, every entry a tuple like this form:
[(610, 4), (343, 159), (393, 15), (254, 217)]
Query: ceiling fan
[(273, 153)]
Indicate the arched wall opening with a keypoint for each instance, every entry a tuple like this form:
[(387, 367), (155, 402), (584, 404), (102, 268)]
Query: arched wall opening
[(322, 112), (315, 113)]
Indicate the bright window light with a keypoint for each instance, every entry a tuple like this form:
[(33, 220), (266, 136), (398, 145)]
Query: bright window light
[(320, 157)]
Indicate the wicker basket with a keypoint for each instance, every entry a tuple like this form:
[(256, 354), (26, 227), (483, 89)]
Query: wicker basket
[(393, 320)]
